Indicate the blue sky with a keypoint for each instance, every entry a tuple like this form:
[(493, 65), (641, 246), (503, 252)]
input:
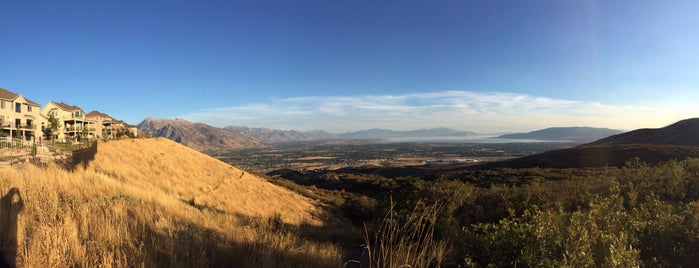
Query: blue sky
[(484, 66)]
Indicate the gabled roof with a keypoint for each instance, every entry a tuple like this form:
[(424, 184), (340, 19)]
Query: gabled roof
[(98, 114), (6, 94), (10, 96), (67, 107), (126, 125)]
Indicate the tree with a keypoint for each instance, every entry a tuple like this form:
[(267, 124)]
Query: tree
[(52, 128), (85, 134), (124, 134)]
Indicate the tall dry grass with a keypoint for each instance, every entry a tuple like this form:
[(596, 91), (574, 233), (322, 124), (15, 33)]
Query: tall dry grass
[(176, 170), (407, 241), (145, 203)]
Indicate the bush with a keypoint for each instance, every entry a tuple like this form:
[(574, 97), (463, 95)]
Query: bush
[(359, 209)]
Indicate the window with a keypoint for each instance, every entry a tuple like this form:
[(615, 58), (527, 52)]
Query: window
[(18, 107), (2, 105), (30, 122), (29, 108)]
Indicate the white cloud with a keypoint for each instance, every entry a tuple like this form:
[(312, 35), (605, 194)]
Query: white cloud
[(465, 110)]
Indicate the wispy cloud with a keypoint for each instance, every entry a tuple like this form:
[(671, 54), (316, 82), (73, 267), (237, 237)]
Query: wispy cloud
[(465, 110)]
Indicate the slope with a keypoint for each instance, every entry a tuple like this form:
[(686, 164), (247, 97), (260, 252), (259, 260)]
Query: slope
[(194, 177), (154, 202), (685, 132), (677, 141), (582, 134)]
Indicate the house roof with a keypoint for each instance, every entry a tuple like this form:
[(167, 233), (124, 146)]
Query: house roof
[(127, 125), (98, 114), (67, 107), (10, 96)]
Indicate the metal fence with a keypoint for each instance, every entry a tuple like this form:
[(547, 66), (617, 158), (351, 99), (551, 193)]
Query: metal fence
[(81, 156), (68, 155), (15, 150)]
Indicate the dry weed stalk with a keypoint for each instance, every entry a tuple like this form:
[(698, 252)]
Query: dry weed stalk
[(408, 242)]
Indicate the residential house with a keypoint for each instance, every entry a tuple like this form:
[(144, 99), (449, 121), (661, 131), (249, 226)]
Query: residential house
[(133, 129), (72, 122), (19, 116), (106, 127)]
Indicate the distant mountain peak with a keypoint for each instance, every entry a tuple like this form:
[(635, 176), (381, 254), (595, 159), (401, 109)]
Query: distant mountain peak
[(198, 136), (268, 135)]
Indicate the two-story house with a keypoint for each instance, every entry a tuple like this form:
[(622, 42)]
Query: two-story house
[(106, 127), (19, 116), (72, 122)]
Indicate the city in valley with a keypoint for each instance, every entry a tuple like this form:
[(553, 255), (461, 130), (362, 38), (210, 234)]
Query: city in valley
[(348, 153)]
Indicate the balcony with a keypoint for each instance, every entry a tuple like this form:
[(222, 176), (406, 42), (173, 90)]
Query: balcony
[(79, 129), (14, 126)]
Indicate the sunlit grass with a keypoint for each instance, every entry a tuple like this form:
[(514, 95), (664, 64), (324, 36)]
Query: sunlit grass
[(156, 203)]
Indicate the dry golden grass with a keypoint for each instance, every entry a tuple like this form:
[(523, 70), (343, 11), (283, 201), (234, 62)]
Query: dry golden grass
[(176, 170), (156, 203)]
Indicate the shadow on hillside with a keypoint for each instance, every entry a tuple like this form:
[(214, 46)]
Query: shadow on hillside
[(337, 229), (341, 233), (10, 206), (273, 244)]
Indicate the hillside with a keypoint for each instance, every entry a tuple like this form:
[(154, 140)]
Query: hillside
[(154, 202), (191, 175), (600, 156), (685, 132), (198, 136), (579, 134), (677, 141)]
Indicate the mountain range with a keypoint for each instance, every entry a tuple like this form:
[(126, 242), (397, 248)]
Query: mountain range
[(204, 137), (207, 138), (576, 134), (677, 141), (268, 136), (198, 136), (379, 133)]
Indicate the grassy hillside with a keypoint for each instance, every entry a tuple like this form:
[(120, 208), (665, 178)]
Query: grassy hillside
[(181, 172), (598, 156), (155, 202)]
